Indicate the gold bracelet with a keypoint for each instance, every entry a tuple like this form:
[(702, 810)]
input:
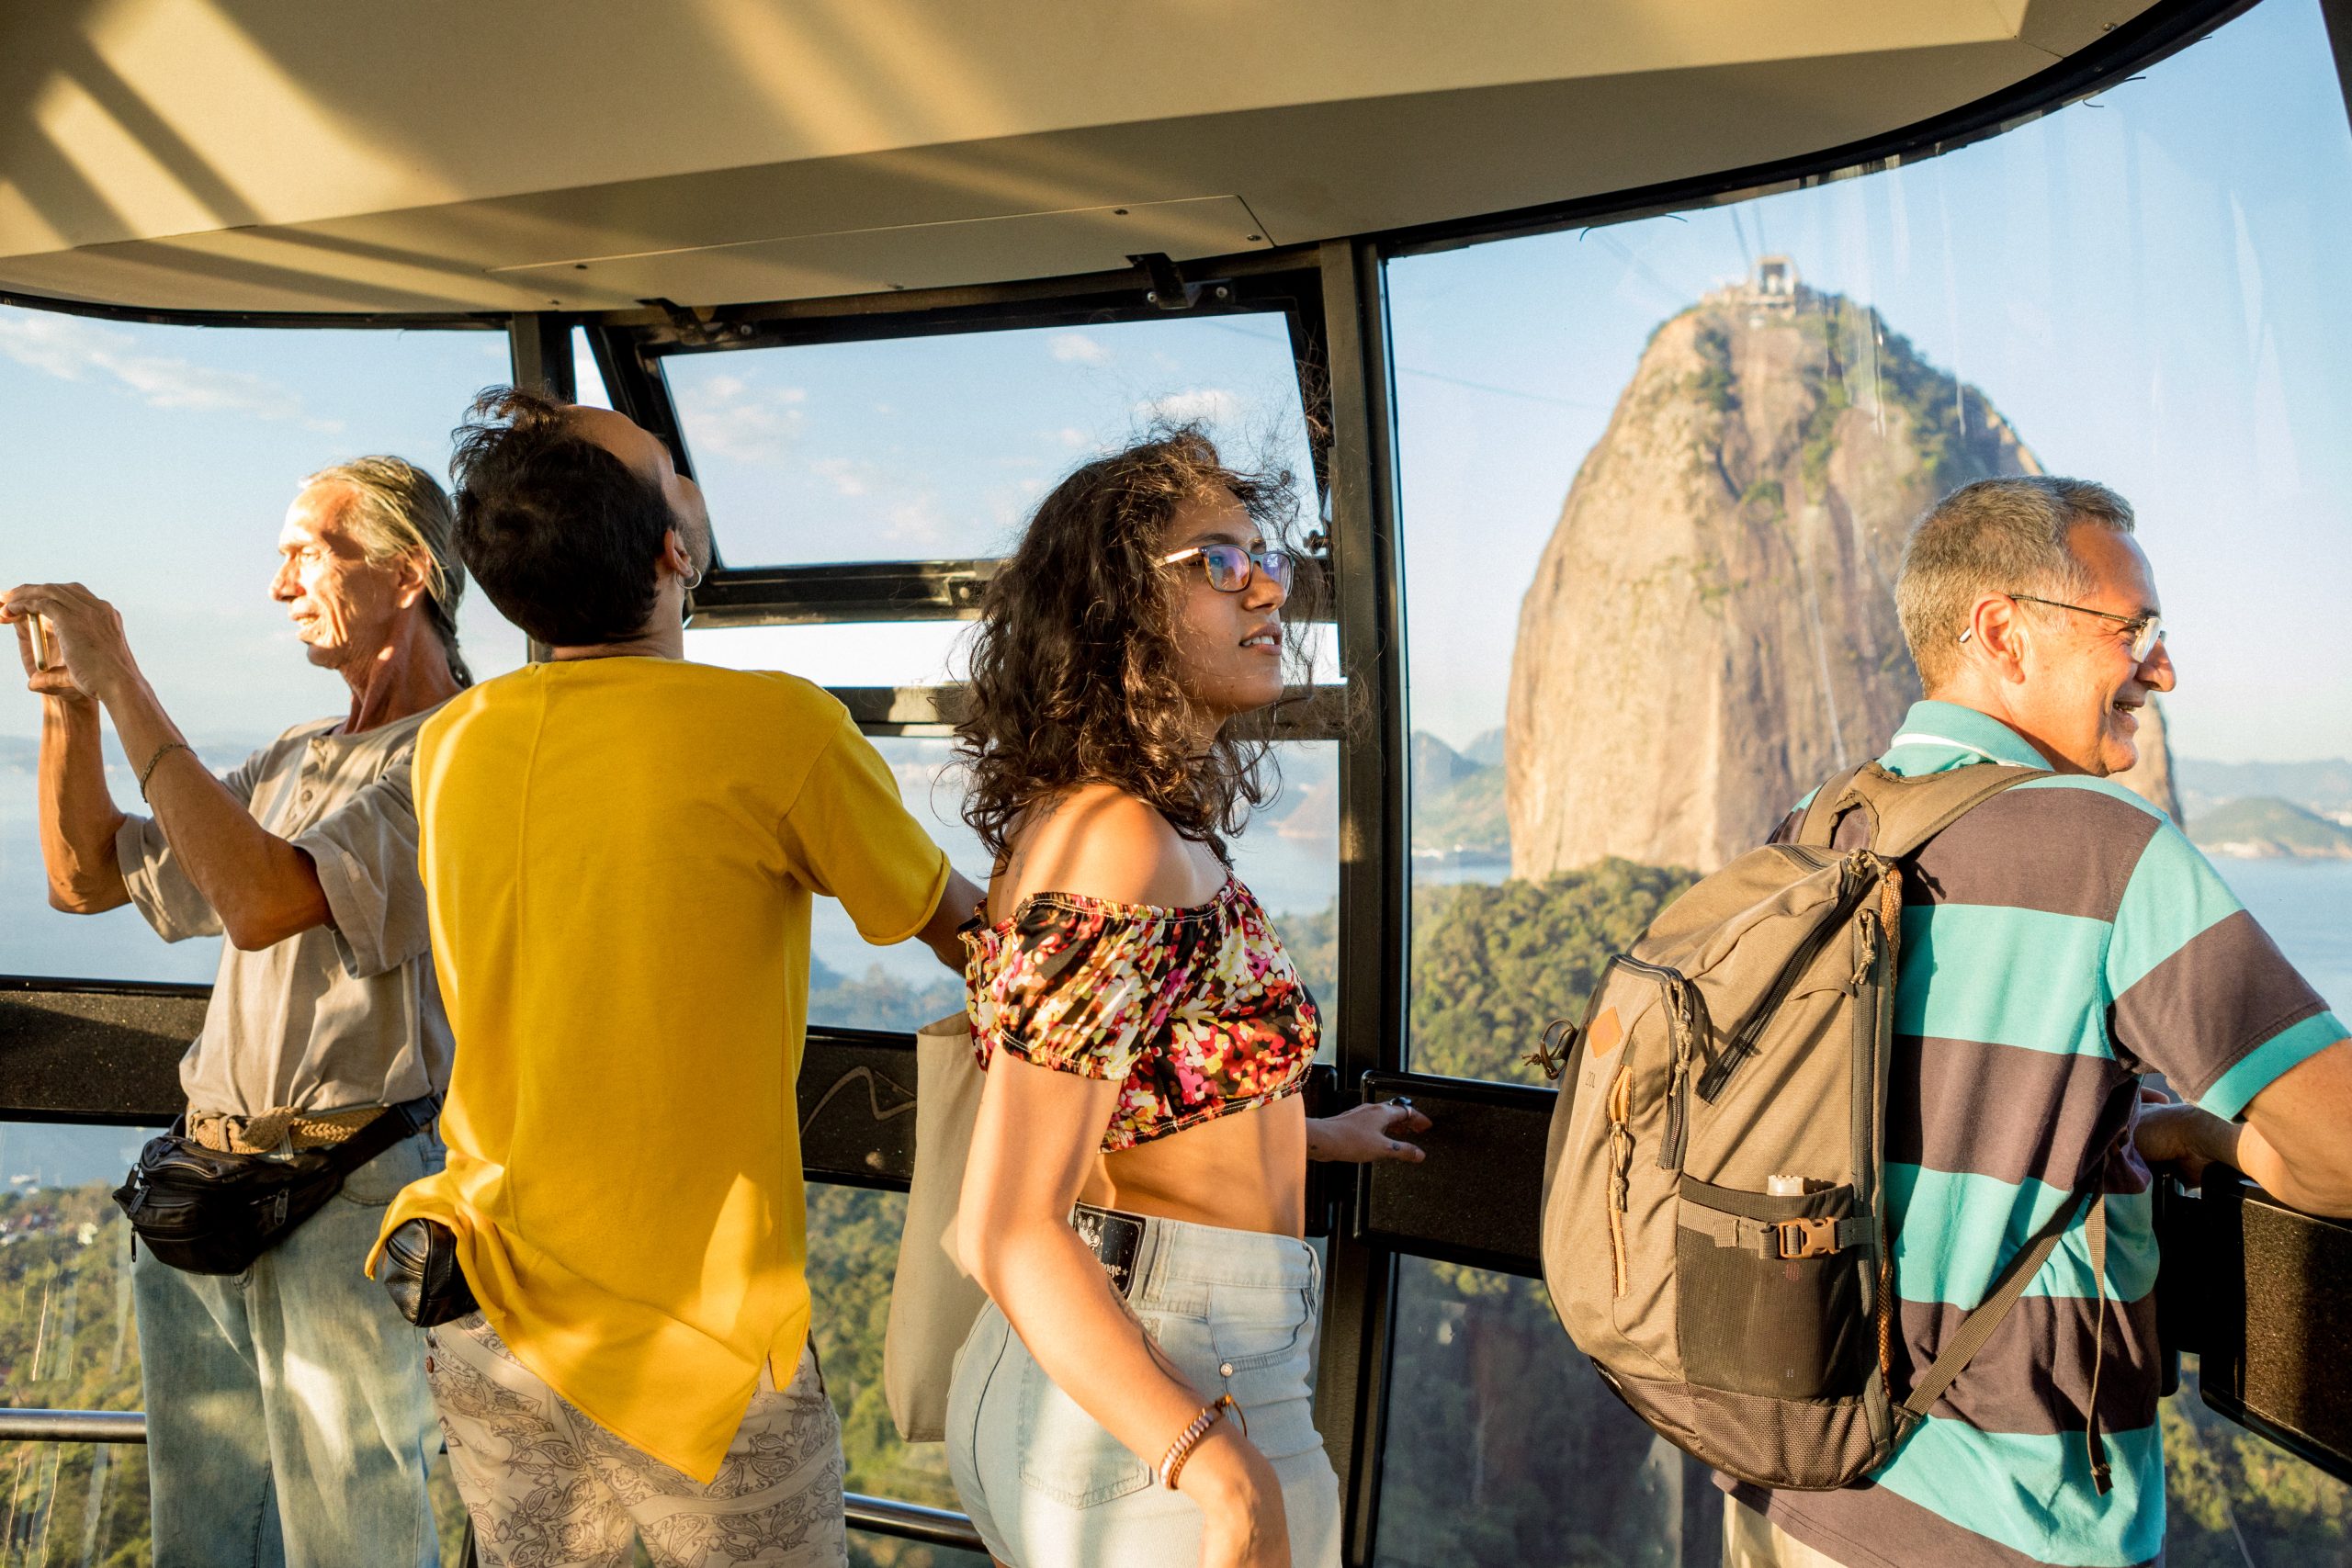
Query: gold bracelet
[(165, 750), (1173, 1464)]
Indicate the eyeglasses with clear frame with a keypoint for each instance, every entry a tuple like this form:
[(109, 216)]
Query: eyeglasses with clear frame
[(2146, 631), (1230, 568)]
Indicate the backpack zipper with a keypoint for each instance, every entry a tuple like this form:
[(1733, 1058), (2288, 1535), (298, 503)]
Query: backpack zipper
[(1743, 1045), (1687, 1021)]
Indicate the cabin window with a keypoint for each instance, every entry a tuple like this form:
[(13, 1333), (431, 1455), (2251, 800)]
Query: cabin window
[(1657, 478), (937, 447), (931, 452), (154, 464), (587, 380)]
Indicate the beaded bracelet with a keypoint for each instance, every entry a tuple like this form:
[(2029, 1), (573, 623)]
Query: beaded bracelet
[(1190, 1437)]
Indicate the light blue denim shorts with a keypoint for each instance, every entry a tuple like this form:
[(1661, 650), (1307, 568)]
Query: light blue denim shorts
[(1048, 1487)]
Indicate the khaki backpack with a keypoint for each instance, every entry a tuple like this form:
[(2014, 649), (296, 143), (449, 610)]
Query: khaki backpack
[(1714, 1233)]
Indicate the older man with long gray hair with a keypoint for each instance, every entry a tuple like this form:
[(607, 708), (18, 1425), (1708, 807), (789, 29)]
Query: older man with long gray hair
[(288, 1417)]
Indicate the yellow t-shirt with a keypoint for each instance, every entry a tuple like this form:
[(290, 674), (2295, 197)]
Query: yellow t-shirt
[(618, 855)]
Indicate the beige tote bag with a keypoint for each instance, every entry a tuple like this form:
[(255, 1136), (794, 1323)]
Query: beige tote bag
[(933, 1303)]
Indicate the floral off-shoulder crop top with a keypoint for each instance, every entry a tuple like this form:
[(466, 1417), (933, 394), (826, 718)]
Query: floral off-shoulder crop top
[(1197, 1012)]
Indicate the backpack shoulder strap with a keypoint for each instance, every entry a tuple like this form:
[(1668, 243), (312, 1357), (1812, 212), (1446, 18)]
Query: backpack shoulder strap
[(2007, 1286), (1828, 809), (1905, 814)]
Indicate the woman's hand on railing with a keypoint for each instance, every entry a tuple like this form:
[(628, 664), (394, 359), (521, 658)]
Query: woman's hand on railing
[(1367, 1134)]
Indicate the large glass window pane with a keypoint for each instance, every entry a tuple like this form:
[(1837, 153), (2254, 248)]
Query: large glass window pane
[(1657, 477), (155, 464), (935, 448)]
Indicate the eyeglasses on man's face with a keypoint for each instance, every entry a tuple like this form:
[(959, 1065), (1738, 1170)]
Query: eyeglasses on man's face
[(2145, 631), (1230, 568)]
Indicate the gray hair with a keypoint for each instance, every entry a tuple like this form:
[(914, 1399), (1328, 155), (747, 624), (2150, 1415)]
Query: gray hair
[(398, 509), (1994, 536)]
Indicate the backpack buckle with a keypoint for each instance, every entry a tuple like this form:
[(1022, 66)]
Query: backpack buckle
[(1807, 1238)]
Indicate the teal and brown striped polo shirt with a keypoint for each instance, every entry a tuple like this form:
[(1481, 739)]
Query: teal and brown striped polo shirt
[(2059, 941)]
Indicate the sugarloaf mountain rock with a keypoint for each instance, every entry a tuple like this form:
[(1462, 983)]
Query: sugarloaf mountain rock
[(1710, 630)]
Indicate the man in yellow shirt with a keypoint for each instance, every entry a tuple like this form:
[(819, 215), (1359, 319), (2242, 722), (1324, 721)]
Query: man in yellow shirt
[(619, 848)]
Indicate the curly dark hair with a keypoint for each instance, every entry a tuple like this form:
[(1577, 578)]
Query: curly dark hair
[(1073, 675), (562, 535)]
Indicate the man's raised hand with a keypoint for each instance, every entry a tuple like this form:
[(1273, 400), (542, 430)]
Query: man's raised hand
[(87, 647)]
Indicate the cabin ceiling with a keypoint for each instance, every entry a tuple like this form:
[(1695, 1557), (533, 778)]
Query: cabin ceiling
[(587, 155)]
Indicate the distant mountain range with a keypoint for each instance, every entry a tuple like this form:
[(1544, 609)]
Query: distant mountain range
[(2323, 786), (2265, 828), (1458, 800), (21, 753), (2292, 809)]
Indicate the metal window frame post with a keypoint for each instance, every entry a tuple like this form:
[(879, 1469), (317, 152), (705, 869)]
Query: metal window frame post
[(1361, 1279)]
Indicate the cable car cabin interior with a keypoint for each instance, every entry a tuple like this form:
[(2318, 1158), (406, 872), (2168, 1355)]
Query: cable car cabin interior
[(1611, 350)]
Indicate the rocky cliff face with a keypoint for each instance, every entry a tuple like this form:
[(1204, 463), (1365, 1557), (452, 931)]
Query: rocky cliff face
[(1710, 630)]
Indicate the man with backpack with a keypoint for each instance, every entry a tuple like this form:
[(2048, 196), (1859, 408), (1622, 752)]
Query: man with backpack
[(1852, 1188)]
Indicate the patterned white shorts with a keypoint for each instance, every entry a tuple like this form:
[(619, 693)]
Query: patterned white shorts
[(547, 1487)]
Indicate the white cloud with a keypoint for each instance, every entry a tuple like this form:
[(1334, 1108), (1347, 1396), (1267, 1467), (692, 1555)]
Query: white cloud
[(1204, 405), (1077, 348), (730, 417), (916, 521), (844, 474), (74, 350)]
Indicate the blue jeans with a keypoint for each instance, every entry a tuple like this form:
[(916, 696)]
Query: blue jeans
[(288, 1421), (1048, 1487)]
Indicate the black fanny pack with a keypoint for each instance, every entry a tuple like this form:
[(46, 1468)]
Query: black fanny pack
[(207, 1212)]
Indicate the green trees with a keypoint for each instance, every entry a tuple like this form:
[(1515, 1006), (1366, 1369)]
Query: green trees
[(1493, 964)]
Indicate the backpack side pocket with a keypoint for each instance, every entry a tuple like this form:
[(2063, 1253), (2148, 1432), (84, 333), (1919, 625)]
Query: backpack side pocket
[(1771, 1300)]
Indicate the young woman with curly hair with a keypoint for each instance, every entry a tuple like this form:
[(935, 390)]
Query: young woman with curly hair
[(1138, 1393)]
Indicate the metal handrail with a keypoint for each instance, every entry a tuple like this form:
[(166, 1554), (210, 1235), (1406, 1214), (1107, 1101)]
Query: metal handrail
[(912, 1521), (72, 1425), (884, 1516)]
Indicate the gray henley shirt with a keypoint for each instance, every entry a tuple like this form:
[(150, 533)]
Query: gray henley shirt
[(343, 1015)]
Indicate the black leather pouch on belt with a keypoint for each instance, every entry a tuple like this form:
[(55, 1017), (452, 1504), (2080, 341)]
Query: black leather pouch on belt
[(205, 1211), (1115, 1237), (419, 1270)]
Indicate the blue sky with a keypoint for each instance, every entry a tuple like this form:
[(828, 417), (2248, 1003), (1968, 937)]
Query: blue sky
[(2143, 285)]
